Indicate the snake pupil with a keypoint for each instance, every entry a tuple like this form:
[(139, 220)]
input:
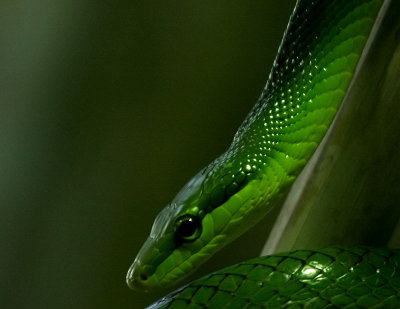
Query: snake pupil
[(188, 228)]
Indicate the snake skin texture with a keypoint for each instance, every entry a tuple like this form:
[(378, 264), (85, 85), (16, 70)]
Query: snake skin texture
[(336, 277), (309, 79)]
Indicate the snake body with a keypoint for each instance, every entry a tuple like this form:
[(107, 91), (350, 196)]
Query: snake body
[(309, 79), (335, 277)]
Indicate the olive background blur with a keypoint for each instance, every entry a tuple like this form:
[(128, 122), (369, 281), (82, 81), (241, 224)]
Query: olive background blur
[(107, 110)]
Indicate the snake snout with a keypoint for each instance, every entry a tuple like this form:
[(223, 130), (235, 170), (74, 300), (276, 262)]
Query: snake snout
[(136, 278)]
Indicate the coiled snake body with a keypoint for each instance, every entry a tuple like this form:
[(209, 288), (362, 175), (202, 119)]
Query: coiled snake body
[(315, 65)]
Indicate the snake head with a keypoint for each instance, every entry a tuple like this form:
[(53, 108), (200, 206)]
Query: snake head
[(204, 216), (213, 209), (174, 237)]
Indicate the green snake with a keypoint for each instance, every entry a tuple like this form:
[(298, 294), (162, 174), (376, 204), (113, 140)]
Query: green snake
[(315, 65)]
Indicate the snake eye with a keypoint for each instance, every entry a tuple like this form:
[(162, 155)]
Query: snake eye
[(188, 228)]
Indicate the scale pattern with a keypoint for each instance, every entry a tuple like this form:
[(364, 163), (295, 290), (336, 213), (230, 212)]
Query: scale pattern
[(336, 277), (309, 79)]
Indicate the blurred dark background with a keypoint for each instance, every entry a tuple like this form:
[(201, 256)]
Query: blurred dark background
[(107, 109)]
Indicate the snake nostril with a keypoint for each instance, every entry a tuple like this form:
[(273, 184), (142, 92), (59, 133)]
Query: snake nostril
[(143, 276)]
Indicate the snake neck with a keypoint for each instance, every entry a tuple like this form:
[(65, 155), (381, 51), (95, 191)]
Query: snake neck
[(311, 73)]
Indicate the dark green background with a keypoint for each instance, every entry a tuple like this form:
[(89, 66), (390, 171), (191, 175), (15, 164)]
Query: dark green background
[(107, 109)]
